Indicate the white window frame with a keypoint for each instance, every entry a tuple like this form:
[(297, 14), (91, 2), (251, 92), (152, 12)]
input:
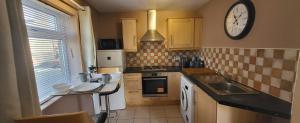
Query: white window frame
[(60, 34)]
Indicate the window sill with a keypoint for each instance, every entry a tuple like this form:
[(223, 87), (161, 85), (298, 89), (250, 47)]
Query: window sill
[(49, 102)]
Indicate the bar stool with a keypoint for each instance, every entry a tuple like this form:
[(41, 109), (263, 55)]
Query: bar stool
[(107, 102)]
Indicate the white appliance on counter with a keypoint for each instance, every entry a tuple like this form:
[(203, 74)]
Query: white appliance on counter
[(112, 59), (186, 100)]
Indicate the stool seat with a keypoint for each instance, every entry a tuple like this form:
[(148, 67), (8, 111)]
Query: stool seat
[(111, 92)]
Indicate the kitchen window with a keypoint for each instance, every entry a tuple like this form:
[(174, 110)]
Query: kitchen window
[(47, 38)]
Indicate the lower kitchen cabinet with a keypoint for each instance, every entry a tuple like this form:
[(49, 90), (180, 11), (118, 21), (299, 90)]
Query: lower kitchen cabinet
[(205, 107), (133, 88), (134, 98), (207, 110), (227, 114), (174, 85)]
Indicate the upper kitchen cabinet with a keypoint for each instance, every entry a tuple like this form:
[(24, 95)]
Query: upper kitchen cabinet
[(184, 33), (129, 34), (181, 33), (198, 33)]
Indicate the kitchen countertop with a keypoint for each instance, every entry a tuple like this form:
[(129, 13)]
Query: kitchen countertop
[(139, 69), (260, 102)]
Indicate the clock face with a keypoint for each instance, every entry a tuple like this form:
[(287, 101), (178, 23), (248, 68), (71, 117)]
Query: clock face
[(239, 20)]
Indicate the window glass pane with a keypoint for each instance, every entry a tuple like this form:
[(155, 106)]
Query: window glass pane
[(49, 67), (39, 19), (47, 45)]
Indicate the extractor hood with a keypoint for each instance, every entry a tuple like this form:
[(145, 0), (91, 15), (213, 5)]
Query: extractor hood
[(152, 34)]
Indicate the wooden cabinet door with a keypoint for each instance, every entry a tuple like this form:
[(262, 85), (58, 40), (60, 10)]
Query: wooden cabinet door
[(198, 33), (133, 89), (129, 35), (227, 114), (133, 82), (296, 101), (181, 33), (205, 107), (174, 85), (132, 85), (134, 98)]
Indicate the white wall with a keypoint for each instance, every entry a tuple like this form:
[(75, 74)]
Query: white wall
[(69, 104)]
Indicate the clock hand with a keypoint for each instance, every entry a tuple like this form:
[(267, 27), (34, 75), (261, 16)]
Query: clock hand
[(235, 19), (239, 16), (236, 22)]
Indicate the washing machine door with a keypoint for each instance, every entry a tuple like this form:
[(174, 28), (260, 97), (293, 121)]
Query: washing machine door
[(184, 100)]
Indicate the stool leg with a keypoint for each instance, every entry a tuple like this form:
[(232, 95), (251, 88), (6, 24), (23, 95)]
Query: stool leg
[(107, 108)]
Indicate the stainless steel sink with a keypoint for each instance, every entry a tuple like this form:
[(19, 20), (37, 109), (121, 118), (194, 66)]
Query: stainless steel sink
[(230, 88), (223, 86)]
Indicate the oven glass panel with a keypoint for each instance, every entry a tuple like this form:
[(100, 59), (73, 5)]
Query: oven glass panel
[(154, 86)]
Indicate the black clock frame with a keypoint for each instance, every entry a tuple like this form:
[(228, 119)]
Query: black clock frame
[(251, 17)]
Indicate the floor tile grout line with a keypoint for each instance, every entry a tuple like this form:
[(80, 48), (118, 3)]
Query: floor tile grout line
[(149, 110)]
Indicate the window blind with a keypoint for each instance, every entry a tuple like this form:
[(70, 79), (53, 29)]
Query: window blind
[(47, 39)]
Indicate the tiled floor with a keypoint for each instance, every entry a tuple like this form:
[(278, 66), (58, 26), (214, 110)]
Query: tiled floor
[(149, 114)]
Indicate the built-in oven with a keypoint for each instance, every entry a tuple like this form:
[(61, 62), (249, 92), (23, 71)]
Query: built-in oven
[(154, 84)]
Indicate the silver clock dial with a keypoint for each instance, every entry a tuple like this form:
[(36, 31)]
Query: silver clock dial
[(236, 20)]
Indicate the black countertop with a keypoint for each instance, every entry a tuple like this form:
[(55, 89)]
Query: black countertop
[(139, 69), (261, 102)]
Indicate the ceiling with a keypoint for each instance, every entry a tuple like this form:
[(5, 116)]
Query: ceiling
[(137, 5)]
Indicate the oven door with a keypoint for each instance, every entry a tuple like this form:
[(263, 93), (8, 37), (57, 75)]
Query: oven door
[(155, 86)]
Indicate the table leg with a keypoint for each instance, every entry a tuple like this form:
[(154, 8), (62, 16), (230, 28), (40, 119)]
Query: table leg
[(107, 108)]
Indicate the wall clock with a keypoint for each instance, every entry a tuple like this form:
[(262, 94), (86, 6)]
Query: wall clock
[(239, 19)]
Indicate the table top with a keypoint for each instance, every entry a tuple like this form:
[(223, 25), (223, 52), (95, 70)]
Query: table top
[(105, 88)]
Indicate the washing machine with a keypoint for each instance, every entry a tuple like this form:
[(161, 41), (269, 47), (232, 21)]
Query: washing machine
[(186, 100)]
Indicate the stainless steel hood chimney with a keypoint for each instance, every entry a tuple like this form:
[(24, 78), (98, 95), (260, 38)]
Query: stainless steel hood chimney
[(152, 34)]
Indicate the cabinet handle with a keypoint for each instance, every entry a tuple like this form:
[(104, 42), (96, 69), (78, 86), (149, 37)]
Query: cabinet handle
[(134, 42), (133, 91), (154, 78), (171, 40)]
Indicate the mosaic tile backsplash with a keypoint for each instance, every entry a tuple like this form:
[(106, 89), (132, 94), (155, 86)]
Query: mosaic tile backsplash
[(156, 54), (271, 71)]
